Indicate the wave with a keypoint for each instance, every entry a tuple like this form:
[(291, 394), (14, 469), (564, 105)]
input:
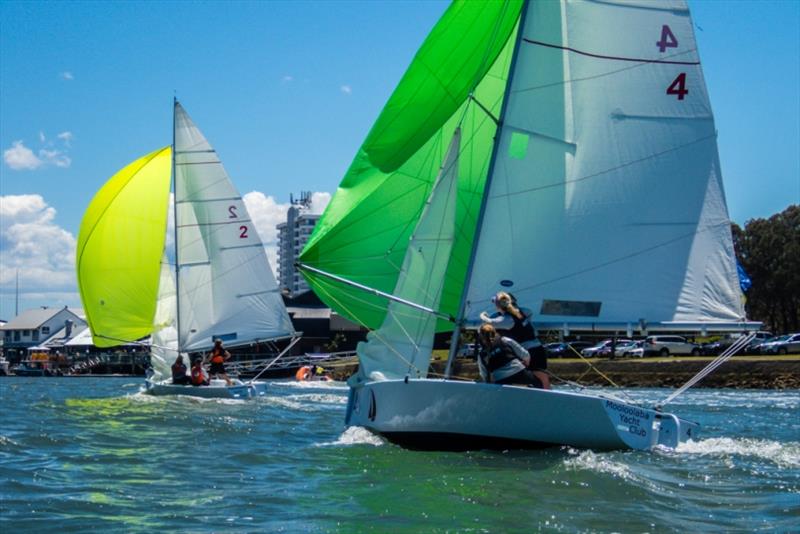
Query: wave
[(330, 385), (355, 435), (785, 454)]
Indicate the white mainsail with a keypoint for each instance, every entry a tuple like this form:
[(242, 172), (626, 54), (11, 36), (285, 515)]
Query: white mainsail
[(402, 345), (605, 202), (226, 288)]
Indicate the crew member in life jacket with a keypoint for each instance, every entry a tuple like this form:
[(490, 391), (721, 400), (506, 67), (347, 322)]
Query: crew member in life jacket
[(502, 360), (311, 372), (515, 323), (199, 376), (218, 356), (179, 376)]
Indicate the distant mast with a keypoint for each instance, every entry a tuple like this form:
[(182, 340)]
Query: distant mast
[(16, 296)]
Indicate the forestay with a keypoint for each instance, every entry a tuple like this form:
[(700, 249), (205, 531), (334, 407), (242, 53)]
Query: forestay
[(226, 288), (605, 201), (402, 345)]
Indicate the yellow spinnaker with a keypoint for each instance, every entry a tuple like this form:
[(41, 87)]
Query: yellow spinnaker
[(120, 247)]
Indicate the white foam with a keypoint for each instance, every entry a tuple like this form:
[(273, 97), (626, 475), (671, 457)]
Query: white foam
[(591, 461), (783, 454), (355, 435)]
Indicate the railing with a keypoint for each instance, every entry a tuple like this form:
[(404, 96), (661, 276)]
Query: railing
[(245, 366)]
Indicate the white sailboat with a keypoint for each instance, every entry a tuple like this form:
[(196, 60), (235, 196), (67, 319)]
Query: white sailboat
[(214, 283), (584, 149)]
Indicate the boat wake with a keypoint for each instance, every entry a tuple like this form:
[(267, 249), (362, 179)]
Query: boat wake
[(355, 435), (313, 402), (597, 462), (785, 454)]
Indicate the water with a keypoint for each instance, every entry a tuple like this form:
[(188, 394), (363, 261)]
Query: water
[(82, 454)]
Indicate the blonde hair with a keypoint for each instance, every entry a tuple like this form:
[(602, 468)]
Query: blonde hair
[(505, 302), (487, 333)]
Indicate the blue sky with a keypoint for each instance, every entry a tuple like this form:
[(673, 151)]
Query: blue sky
[(286, 92)]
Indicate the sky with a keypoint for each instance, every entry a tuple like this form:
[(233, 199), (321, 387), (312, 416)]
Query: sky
[(286, 92)]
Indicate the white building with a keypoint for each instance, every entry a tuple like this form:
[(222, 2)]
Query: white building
[(292, 237)]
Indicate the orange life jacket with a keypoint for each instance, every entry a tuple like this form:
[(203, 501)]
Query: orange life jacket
[(303, 373), (217, 356), (198, 376)]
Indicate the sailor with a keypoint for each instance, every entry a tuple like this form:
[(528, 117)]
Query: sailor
[(199, 376), (179, 376), (515, 323), (502, 360), (218, 356)]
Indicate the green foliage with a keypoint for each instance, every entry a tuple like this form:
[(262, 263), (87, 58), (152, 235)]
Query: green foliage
[(769, 251)]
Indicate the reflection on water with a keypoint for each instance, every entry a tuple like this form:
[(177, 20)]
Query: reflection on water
[(96, 454)]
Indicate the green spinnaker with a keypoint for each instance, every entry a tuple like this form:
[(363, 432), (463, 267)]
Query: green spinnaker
[(364, 232), (120, 246)]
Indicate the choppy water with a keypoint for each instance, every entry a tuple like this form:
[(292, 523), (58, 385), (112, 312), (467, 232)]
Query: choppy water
[(80, 454)]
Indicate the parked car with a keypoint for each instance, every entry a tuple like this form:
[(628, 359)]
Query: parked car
[(787, 344), (602, 349), (721, 345), (669, 345), (754, 347), (565, 350), (634, 348)]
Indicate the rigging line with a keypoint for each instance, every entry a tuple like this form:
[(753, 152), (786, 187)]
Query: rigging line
[(711, 367), (376, 335), (377, 292), (606, 171), (599, 372), (614, 58)]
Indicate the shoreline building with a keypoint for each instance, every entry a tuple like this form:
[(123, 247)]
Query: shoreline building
[(292, 237)]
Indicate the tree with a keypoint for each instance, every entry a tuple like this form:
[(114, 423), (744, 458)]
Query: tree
[(769, 251)]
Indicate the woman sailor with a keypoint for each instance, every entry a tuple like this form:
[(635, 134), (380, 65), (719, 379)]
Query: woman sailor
[(515, 323)]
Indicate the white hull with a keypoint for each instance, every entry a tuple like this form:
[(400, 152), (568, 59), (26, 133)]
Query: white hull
[(217, 390), (454, 415)]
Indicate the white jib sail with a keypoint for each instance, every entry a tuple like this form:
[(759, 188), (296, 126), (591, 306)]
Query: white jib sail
[(226, 287), (164, 345), (402, 345), (606, 202)]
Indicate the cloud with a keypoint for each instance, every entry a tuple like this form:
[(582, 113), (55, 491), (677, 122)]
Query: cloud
[(266, 213), (31, 241), (19, 157), (287, 78), (346, 89), (319, 201), (55, 157), (66, 137), (67, 75)]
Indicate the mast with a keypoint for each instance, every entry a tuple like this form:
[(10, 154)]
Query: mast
[(16, 296), (485, 195), (175, 229)]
